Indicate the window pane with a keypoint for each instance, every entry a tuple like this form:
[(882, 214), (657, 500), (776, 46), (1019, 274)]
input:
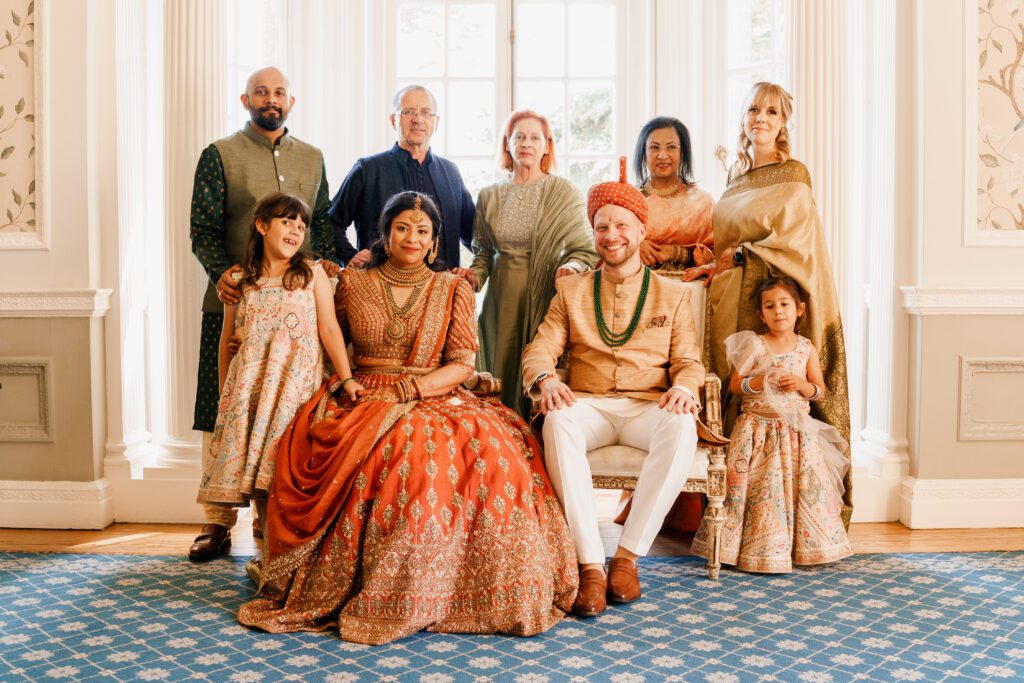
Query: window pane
[(584, 173), (751, 24), (470, 114), (477, 173), (419, 40), (590, 116), (471, 32), (540, 39), (592, 39), (547, 98)]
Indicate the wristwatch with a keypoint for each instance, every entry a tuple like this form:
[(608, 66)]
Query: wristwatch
[(738, 259)]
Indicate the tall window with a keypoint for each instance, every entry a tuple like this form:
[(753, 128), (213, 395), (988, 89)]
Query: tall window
[(484, 58), (756, 48), (458, 50)]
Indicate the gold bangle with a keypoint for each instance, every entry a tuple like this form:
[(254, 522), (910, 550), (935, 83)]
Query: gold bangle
[(418, 390)]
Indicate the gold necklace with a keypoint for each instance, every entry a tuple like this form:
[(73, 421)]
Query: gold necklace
[(649, 189), (396, 327), (403, 277)]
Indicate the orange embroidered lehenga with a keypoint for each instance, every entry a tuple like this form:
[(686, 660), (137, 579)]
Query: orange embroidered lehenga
[(387, 518)]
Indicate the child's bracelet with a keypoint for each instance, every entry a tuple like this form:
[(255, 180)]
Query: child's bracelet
[(346, 381), (745, 386), (817, 393)]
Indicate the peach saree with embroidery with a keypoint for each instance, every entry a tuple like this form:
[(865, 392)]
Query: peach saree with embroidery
[(388, 518)]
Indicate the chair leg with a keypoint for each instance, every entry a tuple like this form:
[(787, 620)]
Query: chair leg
[(714, 515)]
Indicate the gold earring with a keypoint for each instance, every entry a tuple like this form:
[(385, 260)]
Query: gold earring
[(433, 252), (387, 250)]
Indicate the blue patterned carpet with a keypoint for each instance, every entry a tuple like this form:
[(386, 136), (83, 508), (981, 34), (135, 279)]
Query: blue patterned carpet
[(926, 617)]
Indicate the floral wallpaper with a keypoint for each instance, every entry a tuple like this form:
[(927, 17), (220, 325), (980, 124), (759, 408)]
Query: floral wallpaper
[(17, 118), (1001, 114)]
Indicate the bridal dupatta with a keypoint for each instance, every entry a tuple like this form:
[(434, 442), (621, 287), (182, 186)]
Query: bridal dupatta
[(770, 211), (388, 518)]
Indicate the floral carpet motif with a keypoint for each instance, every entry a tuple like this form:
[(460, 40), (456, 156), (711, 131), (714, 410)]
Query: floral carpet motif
[(914, 617)]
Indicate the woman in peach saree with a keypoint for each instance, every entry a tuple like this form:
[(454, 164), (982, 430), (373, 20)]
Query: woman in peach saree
[(421, 505)]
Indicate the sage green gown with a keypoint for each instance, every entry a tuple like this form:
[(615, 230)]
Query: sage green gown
[(522, 235)]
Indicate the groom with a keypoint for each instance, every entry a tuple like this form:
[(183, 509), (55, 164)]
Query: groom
[(634, 377)]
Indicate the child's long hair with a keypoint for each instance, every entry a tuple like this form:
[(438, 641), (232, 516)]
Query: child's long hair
[(788, 284), (278, 205)]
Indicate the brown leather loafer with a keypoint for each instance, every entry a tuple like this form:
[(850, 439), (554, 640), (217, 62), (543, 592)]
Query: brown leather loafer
[(623, 582), (213, 541), (590, 601)]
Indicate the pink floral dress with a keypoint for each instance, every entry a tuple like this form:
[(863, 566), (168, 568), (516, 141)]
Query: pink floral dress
[(275, 372), (783, 477)]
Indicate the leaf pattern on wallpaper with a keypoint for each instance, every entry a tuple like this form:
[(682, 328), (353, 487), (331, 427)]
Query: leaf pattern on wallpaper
[(1001, 114), (17, 120)]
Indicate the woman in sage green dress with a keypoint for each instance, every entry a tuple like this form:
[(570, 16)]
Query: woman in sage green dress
[(531, 228)]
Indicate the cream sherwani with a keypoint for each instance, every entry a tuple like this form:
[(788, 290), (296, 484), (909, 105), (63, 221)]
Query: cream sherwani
[(617, 392)]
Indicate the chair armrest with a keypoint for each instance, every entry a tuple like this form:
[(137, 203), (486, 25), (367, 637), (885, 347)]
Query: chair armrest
[(713, 402)]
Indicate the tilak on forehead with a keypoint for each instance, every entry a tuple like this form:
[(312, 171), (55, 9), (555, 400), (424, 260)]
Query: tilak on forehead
[(620, 193)]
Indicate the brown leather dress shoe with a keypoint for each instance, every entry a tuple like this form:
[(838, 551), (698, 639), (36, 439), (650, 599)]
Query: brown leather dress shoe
[(213, 541), (623, 582), (590, 601)]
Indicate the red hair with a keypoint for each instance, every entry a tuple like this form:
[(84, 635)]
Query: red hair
[(547, 162)]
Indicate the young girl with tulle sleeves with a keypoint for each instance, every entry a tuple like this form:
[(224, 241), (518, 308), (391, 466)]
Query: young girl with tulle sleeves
[(784, 480)]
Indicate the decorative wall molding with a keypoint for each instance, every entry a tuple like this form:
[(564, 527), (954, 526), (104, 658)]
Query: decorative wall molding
[(40, 370), (56, 504), (972, 427), (55, 303), (989, 135), (962, 301), (39, 238), (962, 503)]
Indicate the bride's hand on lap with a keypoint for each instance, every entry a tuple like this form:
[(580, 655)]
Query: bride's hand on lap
[(354, 390)]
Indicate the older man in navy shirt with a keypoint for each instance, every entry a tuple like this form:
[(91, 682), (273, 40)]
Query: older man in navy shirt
[(409, 165)]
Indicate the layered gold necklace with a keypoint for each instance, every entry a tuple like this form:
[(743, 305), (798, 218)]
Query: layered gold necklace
[(393, 276)]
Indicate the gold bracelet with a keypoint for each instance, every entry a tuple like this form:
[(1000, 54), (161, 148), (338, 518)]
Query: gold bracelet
[(417, 388)]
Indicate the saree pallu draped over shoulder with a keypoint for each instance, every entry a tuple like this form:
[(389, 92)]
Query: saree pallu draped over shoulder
[(388, 518), (770, 213)]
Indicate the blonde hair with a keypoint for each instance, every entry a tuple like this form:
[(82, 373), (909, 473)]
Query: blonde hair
[(762, 93)]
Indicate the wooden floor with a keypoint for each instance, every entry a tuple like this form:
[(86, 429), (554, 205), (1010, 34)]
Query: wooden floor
[(174, 539)]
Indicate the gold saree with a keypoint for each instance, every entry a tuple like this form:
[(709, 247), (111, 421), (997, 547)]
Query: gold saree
[(770, 212)]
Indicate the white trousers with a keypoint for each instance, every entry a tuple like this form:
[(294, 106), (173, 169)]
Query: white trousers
[(590, 423)]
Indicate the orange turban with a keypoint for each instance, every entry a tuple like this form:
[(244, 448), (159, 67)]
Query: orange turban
[(621, 194)]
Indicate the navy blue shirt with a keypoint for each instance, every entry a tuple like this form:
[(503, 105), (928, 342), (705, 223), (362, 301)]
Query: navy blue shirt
[(375, 179)]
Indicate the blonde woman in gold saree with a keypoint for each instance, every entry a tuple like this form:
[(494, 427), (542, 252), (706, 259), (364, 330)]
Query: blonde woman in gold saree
[(766, 224)]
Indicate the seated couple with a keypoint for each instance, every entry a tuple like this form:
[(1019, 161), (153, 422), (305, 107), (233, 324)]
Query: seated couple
[(422, 506)]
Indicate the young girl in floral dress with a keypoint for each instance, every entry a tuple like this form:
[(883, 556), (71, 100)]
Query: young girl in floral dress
[(285, 311), (784, 469)]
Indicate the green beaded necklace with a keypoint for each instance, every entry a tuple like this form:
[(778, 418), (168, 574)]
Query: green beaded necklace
[(615, 339)]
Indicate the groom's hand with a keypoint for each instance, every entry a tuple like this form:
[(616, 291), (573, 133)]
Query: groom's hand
[(554, 394), (678, 401)]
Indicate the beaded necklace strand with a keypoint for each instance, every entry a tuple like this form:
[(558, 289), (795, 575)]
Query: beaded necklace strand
[(614, 339)]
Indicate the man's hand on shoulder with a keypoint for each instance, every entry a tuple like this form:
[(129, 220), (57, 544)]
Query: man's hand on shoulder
[(227, 287), (554, 394), (677, 401), (360, 259)]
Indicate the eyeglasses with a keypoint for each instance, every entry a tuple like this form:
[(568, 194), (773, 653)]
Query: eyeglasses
[(413, 113)]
